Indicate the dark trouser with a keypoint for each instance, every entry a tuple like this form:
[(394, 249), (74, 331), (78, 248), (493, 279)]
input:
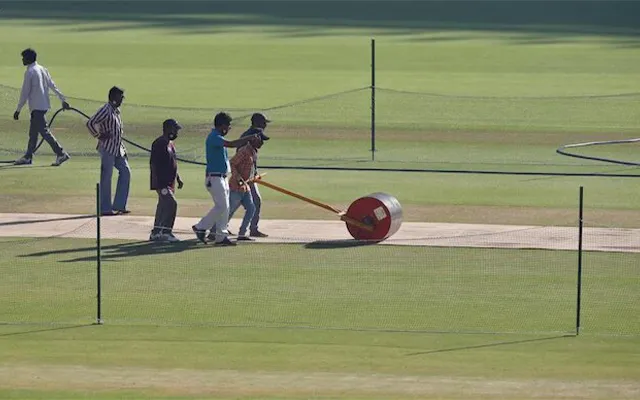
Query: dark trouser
[(165, 212), (38, 126), (257, 202)]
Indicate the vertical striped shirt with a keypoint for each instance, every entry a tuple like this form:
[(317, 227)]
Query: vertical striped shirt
[(35, 88), (106, 126)]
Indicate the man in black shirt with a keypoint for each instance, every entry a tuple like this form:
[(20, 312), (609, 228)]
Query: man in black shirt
[(164, 173)]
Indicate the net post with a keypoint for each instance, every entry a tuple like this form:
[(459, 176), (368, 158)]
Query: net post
[(373, 99), (579, 278), (99, 320)]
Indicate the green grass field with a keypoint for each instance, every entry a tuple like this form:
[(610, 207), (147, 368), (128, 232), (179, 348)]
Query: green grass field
[(461, 86), (177, 308)]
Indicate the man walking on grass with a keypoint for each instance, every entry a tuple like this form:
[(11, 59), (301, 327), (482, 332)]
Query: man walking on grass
[(164, 174), (216, 180), (35, 90)]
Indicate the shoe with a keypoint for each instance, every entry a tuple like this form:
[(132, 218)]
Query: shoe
[(225, 242), (60, 159), (23, 161), (122, 212), (170, 237), (154, 237), (200, 234), (258, 234), (212, 234), (245, 239), (108, 213)]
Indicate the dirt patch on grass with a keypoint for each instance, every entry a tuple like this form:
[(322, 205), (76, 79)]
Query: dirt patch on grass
[(240, 383)]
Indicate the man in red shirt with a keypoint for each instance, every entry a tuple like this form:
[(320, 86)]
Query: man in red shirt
[(164, 173)]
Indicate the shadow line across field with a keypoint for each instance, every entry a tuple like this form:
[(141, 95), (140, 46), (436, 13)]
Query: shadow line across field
[(539, 21), (495, 344)]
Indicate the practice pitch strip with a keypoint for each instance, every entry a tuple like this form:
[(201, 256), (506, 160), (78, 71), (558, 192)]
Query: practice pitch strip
[(128, 227)]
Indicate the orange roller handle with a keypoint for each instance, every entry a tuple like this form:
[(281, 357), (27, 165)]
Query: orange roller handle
[(343, 217), (297, 196)]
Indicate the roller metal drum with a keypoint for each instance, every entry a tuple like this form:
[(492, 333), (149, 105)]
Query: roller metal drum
[(381, 211)]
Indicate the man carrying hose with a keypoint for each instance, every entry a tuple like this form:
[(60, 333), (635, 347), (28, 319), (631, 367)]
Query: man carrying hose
[(35, 90)]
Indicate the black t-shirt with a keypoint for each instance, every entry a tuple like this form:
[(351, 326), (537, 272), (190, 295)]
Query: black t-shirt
[(163, 163)]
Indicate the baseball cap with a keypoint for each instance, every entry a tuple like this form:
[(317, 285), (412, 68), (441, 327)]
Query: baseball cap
[(256, 117), (171, 123)]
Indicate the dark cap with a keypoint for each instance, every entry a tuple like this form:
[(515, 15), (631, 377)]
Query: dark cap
[(115, 90), (257, 117), (171, 123)]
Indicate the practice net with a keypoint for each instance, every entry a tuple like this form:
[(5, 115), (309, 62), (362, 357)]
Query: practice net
[(426, 129)]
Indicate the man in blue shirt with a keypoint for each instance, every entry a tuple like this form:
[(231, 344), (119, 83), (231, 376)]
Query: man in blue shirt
[(216, 180)]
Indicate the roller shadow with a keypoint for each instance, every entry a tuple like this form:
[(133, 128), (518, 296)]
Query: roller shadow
[(486, 345), (339, 244)]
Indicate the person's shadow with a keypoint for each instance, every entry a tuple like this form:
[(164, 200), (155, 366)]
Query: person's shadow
[(123, 250)]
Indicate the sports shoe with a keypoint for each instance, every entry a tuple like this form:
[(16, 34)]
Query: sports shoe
[(244, 238), (170, 237), (225, 242), (155, 236), (60, 159), (212, 234), (258, 234), (23, 161), (200, 234)]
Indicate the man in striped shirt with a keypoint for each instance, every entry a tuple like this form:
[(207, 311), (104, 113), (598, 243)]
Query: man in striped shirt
[(35, 91), (106, 126)]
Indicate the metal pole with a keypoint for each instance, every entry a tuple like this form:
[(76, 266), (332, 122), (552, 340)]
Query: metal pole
[(373, 99), (98, 258), (580, 234)]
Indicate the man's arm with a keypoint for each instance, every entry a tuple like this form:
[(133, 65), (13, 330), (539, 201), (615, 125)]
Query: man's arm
[(55, 89), (26, 89), (238, 142), (97, 119), (180, 183)]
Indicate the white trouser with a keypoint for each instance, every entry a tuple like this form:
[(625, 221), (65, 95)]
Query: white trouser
[(218, 187)]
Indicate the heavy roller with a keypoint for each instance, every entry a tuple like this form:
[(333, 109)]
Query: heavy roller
[(374, 217)]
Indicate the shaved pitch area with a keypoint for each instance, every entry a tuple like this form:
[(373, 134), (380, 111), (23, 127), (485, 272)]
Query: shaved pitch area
[(239, 384), (309, 231)]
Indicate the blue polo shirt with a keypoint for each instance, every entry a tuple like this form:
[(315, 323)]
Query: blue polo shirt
[(217, 158)]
